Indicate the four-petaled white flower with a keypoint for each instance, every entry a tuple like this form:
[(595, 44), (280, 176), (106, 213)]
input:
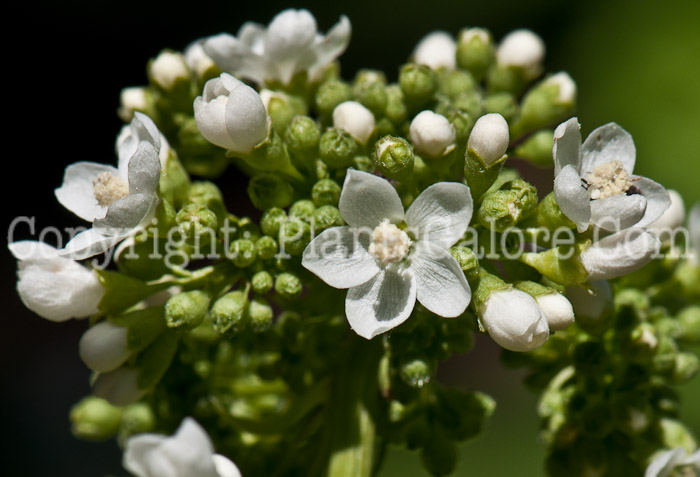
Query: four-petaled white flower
[(386, 266), (594, 182), (665, 462), (188, 453), (54, 287), (290, 44), (118, 201)]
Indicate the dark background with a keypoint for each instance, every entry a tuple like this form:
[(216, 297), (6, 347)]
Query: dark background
[(635, 62)]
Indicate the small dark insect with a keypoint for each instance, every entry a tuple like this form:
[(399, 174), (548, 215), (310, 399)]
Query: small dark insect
[(633, 190), (585, 183)]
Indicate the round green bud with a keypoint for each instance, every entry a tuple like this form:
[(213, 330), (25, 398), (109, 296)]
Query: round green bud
[(207, 194), (452, 83), (294, 236), (302, 209), (527, 195), (394, 157), (325, 192), (325, 217), (262, 282), (689, 319), (418, 83), (261, 315), (288, 285), (362, 163), (686, 367), (136, 419), (266, 247), (503, 103), (499, 210), (384, 127), (330, 94), (475, 51), (395, 109), (271, 221), (470, 102), (228, 312), (282, 108), (537, 148), (186, 310), (416, 372), (466, 258), (195, 219), (337, 148), (369, 88), (269, 190), (242, 252), (303, 135), (95, 419), (462, 123)]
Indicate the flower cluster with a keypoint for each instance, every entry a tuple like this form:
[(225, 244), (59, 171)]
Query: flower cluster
[(403, 194)]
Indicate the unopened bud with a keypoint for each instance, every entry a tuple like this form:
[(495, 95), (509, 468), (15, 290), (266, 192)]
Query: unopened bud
[(330, 94), (168, 69), (302, 136), (266, 247), (489, 138), (394, 157), (294, 236), (503, 103), (418, 83), (268, 190), (475, 51), (432, 134), (302, 209), (95, 419), (186, 310), (537, 148), (242, 253), (228, 312), (282, 108), (325, 192), (337, 148), (369, 89), (288, 285), (327, 216), (271, 221), (262, 282), (436, 50), (524, 50), (261, 315)]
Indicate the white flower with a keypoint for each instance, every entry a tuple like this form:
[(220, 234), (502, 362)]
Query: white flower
[(54, 287), (557, 309), (188, 453), (168, 68), (594, 182), (432, 134), (591, 304), (489, 137), (514, 320), (522, 49), (354, 118), (290, 44), (620, 253), (230, 114), (384, 267), (104, 347), (567, 87), (665, 462), (437, 50), (118, 201), (141, 128)]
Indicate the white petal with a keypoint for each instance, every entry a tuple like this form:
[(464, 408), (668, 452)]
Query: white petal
[(618, 212), (32, 251), (236, 57), (77, 192), (119, 387), (522, 48), (211, 121), (607, 143), (441, 213), (331, 46), (382, 303), (366, 200), (440, 283), (658, 200), (592, 304), (288, 39), (567, 145), (144, 169), (573, 199), (514, 321), (104, 347), (354, 118), (252, 34), (246, 119), (126, 215), (190, 450), (620, 253), (339, 257), (432, 134), (88, 244), (674, 216), (141, 128), (663, 464), (139, 452), (437, 49), (557, 309), (489, 137), (224, 467)]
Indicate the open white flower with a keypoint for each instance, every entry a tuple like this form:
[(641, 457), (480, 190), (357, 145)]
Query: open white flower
[(437, 50), (119, 202), (54, 287), (188, 453), (387, 266), (665, 462), (594, 182), (290, 44)]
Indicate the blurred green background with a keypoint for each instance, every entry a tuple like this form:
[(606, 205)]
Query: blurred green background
[(635, 62)]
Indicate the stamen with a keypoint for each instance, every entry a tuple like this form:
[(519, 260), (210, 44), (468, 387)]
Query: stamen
[(608, 179), (389, 243), (109, 189)]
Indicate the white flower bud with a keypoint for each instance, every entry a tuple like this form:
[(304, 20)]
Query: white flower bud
[(197, 60), (437, 49), (490, 137), (523, 49), (432, 134), (465, 36), (169, 68), (354, 118), (594, 304), (673, 217), (514, 320), (130, 100), (557, 309), (104, 347), (620, 253), (119, 387), (231, 115), (567, 87)]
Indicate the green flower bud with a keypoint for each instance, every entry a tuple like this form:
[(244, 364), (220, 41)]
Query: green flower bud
[(560, 264), (325, 192), (462, 123), (294, 236), (502, 103), (302, 209), (271, 221), (186, 310), (325, 217), (550, 101), (394, 157), (504, 208), (395, 109), (675, 434), (452, 83), (288, 285), (686, 367), (169, 72), (269, 190), (281, 108), (242, 252), (337, 148), (466, 258), (418, 83), (330, 94), (470, 102), (94, 419), (302, 136), (136, 419), (228, 312), (195, 219), (262, 282), (266, 247), (689, 319), (475, 51), (537, 148), (416, 372), (549, 214), (369, 88), (503, 78), (261, 315), (363, 163), (207, 194), (137, 98)]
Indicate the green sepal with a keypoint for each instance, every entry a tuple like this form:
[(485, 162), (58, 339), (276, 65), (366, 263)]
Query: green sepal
[(122, 291), (552, 264), (143, 326)]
